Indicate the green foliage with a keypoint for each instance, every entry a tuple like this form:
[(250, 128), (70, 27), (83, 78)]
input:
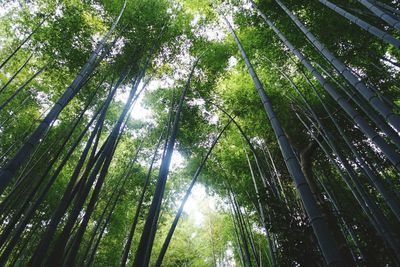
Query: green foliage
[(178, 32)]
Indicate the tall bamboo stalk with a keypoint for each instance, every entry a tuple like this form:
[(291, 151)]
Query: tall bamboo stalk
[(14, 164), (41, 194), (135, 220), (186, 196), (381, 14), (15, 74), (22, 43), (321, 230), (143, 252), (343, 70), (13, 95), (384, 36), (391, 9), (389, 152)]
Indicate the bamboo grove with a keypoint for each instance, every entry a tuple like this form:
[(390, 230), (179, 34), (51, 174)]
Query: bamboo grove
[(284, 112)]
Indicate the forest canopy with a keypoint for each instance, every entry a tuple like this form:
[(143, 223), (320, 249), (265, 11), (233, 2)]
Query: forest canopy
[(199, 133)]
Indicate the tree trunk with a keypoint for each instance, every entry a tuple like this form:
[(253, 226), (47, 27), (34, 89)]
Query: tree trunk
[(390, 153), (22, 43), (185, 198), (384, 36), (15, 74), (344, 71), (143, 252), (9, 171), (324, 237), (381, 14), (135, 220)]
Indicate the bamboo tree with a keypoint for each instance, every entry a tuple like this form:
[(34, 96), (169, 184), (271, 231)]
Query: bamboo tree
[(123, 177), (394, 11), (100, 169), (29, 213), (261, 211), (274, 171), (371, 209), (240, 250), (393, 136), (135, 220), (338, 211), (373, 212), (324, 237), (343, 70), (381, 14), (140, 203), (13, 95), (70, 254), (146, 241), (66, 198), (237, 221), (388, 196), (251, 238), (88, 256), (384, 36), (186, 196), (389, 152), (90, 248), (246, 232), (15, 74), (267, 184), (71, 189), (22, 43), (8, 172), (70, 259), (375, 180), (20, 106), (33, 161)]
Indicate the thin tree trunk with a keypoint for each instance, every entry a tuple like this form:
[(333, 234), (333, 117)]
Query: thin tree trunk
[(387, 7), (15, 74), (9, 171), (251, 238), (346, 227), (22, 43), (392, 135), (15, 111), (384, 192), (376, 181), (70, 259), (235, 213), (13, 95), (241, 256), (143, 252), (254, 152), (381, 14), (373, 212), (390, 153), (90, 249), (44, 244), (132, 229), (28, 215), (344, 71), (100, 169), (261, 211), (384, 36), (186, 196), (324, 237)]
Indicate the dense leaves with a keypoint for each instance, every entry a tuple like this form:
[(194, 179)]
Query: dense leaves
[(86, 175)]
